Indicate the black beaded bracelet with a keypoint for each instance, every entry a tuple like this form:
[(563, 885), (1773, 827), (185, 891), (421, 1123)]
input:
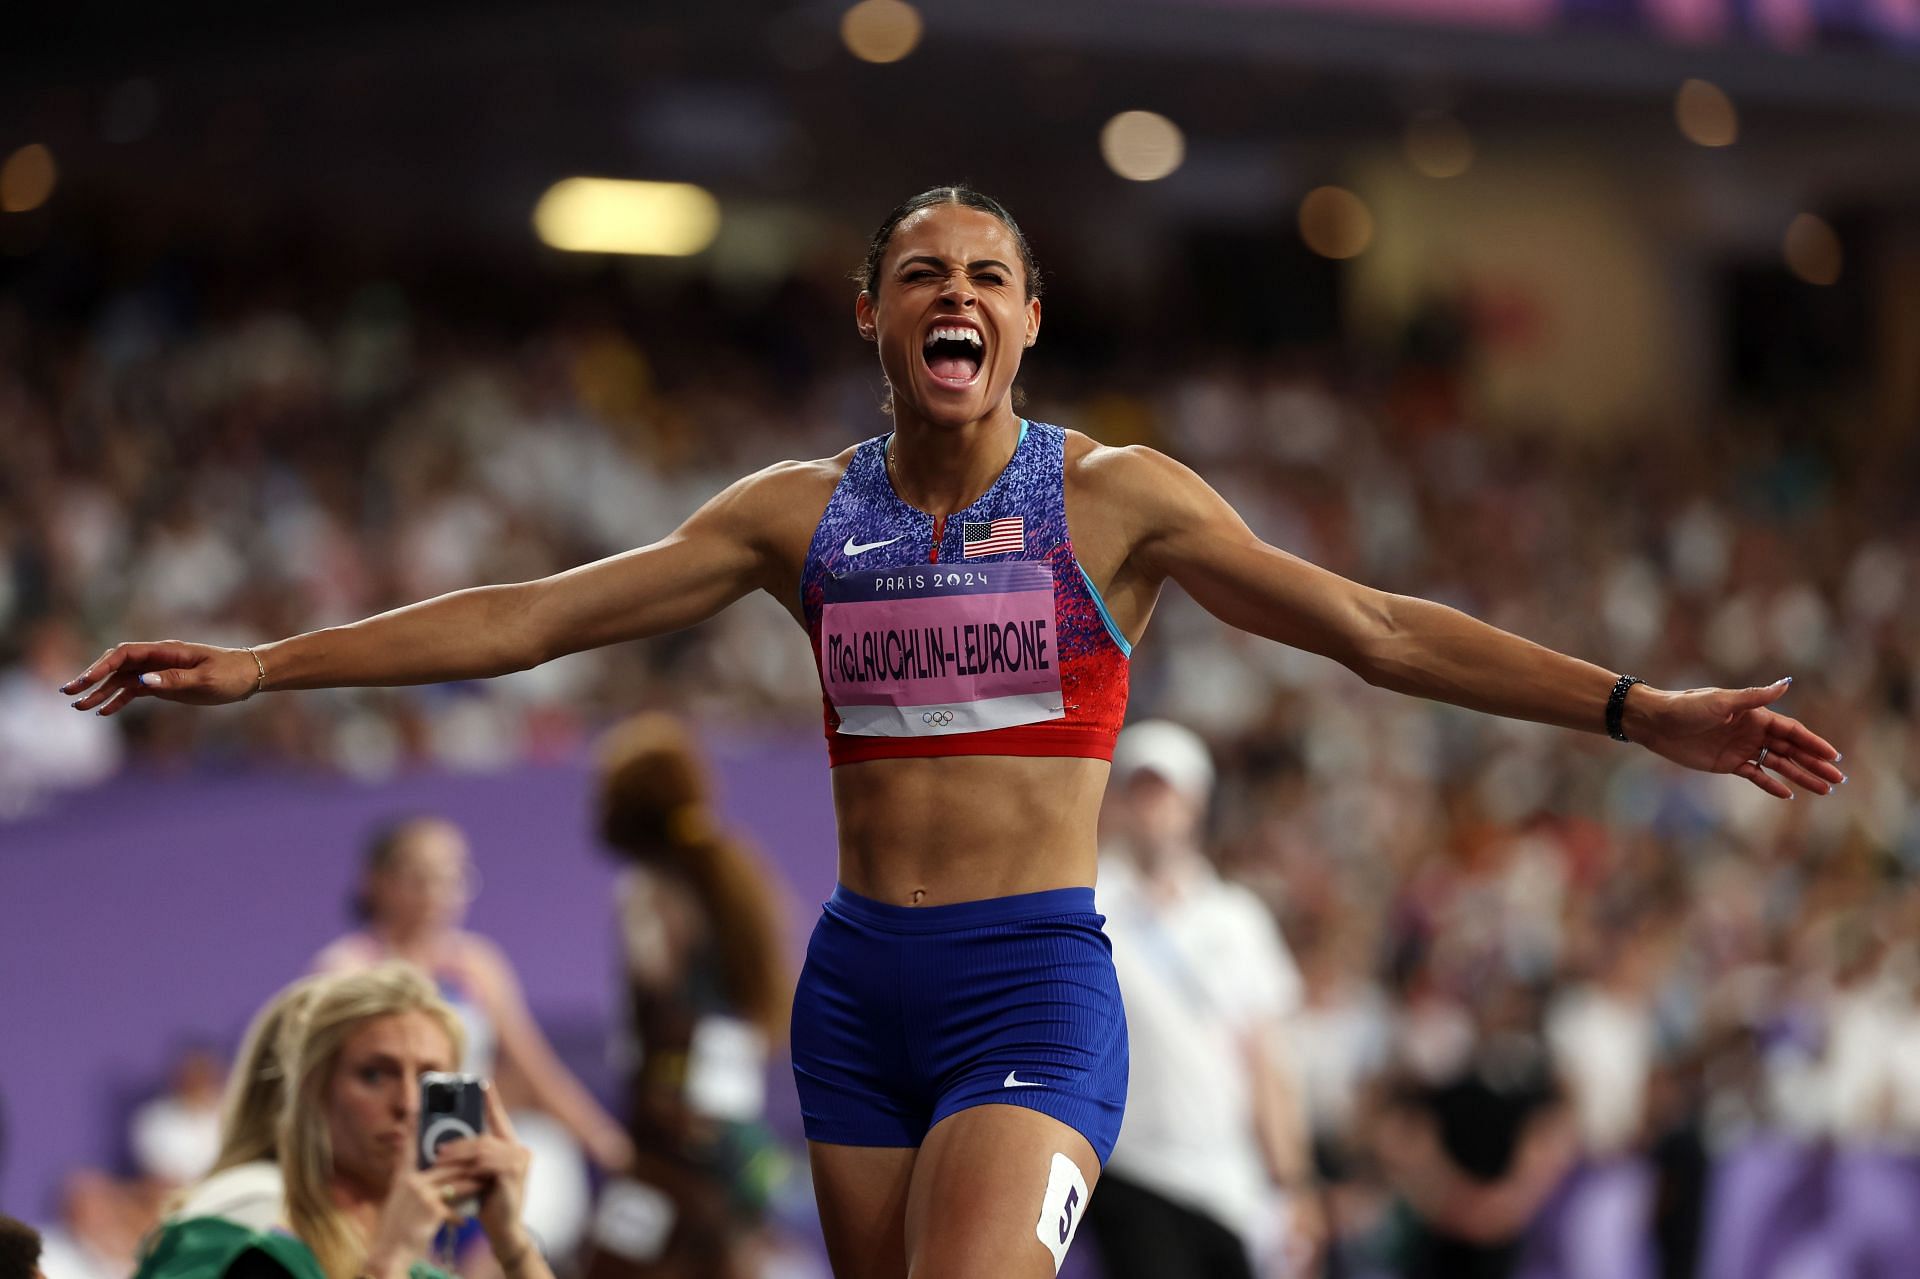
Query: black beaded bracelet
[(1617, 706)]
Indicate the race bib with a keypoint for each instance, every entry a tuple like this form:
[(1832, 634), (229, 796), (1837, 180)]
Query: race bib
[(926, 649)]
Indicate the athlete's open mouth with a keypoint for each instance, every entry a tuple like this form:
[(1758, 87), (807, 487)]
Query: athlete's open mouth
[(953, 353)]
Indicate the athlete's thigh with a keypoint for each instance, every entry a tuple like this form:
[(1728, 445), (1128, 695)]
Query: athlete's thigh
[(862, 1194), (988, 1200)]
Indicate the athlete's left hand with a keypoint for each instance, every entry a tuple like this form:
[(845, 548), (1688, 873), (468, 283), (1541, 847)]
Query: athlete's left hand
[(1724, 730)]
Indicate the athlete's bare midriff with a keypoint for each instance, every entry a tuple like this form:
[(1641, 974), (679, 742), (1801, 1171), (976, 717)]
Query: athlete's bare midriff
[(932, 831), (928, 832)]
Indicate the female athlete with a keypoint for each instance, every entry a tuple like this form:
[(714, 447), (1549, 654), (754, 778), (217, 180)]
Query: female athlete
[(972, 584)]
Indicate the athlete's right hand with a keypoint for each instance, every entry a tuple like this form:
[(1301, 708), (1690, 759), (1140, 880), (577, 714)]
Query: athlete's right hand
[(174, 671)]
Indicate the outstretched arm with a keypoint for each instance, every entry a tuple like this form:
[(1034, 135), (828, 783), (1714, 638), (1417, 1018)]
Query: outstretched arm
[(723, 551), (1185, 531)]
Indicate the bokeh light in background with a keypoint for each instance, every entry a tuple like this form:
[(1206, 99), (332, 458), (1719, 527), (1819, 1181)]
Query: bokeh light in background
[(881, 30), (1812, 250), (1438, 146), (1142, 146), (27, 179), (1705, 114), (607, 215), (1335, 222)]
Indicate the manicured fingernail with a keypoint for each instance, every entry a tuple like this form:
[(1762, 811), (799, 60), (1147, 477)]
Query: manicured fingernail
[(1843, 779), (1787, 680), (151, 679), (1837, 757)]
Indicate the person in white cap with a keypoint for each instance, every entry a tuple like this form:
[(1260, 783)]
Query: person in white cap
[(1212, 1164)]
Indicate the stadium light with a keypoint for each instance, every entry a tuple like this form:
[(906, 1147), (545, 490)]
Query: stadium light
[(1142, 146), (1705, 114), (1812, 249), (880, 30), (1335, 222), (608, 215), (27, 179), (1437, 145)]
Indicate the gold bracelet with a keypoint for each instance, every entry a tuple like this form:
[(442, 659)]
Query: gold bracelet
[(261, 682)]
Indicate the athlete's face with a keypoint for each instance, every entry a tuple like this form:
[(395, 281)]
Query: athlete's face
[(950, 271), (373, 1097)]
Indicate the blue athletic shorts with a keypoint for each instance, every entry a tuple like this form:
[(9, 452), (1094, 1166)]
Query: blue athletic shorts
[(907, 1014)]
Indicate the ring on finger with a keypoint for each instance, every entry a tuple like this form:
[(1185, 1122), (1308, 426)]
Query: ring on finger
[(449, 1194), (1761, 759)]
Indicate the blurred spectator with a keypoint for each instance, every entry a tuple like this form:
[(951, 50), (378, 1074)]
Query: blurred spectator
[(416, 884), (98, 1234), (1601, 1037), (176, 1136), (19, 1250), (44, 746), (708, 997), (1212, 1167), (243, 1183), (1475, 1150), (348, 1141)]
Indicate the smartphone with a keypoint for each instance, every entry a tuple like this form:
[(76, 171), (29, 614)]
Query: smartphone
[(452, 1108)]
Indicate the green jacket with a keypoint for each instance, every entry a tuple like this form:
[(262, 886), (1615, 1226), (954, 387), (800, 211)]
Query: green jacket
[(215, 1248)]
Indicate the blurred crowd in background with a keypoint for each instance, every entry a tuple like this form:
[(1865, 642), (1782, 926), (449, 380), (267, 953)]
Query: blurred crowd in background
[(1676, 963)]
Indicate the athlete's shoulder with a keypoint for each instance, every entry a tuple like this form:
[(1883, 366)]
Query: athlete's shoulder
[(785, 491), (790, 478), (1131, 473)]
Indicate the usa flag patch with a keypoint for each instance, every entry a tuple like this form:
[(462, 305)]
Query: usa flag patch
[(993, 537)]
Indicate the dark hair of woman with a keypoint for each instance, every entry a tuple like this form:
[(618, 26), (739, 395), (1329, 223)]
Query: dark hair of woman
[(869, 276), (382, 851), (655, 812)]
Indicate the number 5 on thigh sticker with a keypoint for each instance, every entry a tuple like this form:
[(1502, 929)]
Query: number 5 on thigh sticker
[(1061, 1210)]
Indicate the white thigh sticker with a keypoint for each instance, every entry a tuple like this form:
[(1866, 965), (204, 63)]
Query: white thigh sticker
[(1061, 1210)]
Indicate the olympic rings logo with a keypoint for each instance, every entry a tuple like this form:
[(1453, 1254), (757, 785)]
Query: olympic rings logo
[(939, 719)]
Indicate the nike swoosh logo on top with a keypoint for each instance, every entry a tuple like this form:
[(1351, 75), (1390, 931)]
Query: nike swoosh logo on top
[(1011, 1082), (860, 548)]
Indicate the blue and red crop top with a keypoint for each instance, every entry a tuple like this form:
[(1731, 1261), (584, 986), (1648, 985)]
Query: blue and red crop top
[(989, 640)]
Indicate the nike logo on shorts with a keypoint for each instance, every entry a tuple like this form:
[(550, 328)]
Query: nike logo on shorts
[(1011, 1082), (861, 548)]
